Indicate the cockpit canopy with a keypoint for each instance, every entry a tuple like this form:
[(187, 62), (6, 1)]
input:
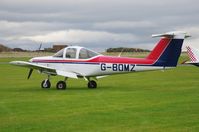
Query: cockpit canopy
[(75, 52)]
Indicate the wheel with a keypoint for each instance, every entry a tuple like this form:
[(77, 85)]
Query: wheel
[(61, 85), (45, 84), (92, 84)]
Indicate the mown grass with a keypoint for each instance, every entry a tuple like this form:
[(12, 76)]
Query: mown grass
[(144, 101)]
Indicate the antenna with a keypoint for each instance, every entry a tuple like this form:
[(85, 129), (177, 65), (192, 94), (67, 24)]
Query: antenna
[(121, 52)]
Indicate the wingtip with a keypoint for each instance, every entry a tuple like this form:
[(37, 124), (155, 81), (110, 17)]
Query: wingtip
[(13, 62)]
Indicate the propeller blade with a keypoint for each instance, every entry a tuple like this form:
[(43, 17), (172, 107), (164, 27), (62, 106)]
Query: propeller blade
[(40, 47), (30, 73)]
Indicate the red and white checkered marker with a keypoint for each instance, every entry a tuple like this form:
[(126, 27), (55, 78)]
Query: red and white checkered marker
[(191, 54)]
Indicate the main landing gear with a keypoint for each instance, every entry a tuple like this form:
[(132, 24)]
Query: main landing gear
[(62, 85), (92, 84)]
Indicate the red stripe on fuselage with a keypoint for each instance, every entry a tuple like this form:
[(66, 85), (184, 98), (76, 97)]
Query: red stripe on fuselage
[(100, 59), (124, 60)]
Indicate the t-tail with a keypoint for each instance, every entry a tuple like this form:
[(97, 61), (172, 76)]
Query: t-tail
[(168, 50)]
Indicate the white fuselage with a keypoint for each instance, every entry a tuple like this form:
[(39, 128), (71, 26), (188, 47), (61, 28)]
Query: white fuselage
[(84, 68)]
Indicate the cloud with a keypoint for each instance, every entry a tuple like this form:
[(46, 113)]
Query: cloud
[(124, 24), (194, 39), (96, 23), (10, 28), (83, 36)]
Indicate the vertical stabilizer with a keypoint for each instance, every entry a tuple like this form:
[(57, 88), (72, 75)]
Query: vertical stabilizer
[(167, 51)]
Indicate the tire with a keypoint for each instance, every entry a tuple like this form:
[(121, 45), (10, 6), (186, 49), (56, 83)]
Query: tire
[(45, 84), (61, 85), (92, 84)]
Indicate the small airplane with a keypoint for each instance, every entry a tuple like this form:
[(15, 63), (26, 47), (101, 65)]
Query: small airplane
[(193, 54), (79, 62)]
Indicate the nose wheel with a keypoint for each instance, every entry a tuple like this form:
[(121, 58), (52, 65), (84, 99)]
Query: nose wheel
[(45, 83), (92, 84)]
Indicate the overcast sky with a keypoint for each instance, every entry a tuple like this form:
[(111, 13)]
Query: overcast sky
[(96, 24)]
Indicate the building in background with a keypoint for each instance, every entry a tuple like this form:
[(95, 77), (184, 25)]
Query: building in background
[(57, 47)]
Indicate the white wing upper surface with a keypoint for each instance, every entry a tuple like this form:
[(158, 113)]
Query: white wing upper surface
[(190, 62), (44, 69)]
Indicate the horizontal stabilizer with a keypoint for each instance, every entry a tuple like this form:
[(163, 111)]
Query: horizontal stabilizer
[(174, 34)]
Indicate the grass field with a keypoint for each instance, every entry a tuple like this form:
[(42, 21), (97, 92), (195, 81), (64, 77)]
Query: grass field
[(144, 101)]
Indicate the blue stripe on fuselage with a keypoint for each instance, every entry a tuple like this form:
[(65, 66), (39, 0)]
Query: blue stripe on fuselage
[(91, 63)]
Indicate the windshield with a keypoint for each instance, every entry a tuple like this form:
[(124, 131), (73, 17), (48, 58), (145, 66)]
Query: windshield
[(85, 54), (59, 53)]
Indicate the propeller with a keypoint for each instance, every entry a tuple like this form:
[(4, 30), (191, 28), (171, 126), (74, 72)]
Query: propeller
[(40, 47), (30, 73)]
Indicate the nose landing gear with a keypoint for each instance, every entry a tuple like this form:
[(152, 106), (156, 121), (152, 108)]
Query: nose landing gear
[(45, 83)]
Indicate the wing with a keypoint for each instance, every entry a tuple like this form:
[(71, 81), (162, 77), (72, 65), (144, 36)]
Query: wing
[(193, 63), (44, 69)]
